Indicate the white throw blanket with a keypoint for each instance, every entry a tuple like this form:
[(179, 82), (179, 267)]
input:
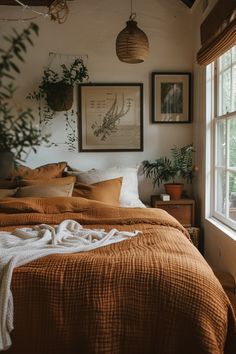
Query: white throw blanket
[(27, 244)]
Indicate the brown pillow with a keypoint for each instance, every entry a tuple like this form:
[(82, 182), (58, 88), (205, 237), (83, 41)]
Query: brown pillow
[(49, 190), (106, 191), (5, 193), (50, 181), (52, 170)]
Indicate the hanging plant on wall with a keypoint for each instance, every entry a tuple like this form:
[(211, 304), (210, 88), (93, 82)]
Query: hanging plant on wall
[(55, 94)]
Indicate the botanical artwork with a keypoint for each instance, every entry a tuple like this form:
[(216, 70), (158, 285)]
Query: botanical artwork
[(111, 117), (171, 97)]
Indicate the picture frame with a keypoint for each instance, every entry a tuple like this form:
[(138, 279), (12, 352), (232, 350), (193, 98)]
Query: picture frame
[(110, 117), (171, 97)]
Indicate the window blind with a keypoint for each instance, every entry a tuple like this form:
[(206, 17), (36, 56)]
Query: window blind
[(218, 31)]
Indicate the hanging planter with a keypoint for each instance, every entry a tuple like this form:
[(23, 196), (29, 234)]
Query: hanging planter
[(57, 88), (60, 96), (55, 94)]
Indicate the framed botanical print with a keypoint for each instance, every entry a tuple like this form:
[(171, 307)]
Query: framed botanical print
[(171, 97), (110, 117)]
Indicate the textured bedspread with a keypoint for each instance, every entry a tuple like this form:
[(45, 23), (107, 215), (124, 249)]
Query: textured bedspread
[(153, 293)]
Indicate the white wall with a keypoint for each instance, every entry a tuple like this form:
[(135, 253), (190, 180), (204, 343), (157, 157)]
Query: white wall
[(91, 29), (220, 249)]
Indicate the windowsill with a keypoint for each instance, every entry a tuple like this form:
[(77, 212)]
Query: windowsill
[(223, 228)]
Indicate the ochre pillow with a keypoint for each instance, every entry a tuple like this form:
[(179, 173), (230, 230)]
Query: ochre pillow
[(49, 190), (51, 170), (50, 181), (5, 193), (105, 191)]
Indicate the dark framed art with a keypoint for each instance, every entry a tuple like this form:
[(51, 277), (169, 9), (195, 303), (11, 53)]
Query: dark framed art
[(110, 117), (171, 97)]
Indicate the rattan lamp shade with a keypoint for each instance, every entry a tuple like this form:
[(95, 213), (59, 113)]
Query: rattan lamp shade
[(132, 44)]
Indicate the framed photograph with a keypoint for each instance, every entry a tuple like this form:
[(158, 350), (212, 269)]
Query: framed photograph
[(110, 117), (171, 97)]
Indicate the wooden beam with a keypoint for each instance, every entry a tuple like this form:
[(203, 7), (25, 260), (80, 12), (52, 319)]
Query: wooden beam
[(189, 3), (27, 2)]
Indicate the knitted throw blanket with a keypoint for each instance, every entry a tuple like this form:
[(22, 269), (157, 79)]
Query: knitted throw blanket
[(27, 244)]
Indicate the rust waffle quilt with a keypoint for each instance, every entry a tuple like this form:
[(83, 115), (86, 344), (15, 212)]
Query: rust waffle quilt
[(153, 293)]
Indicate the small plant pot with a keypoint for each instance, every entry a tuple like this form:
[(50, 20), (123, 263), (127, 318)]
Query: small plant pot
[(6, 164), (60, 96), (175, 190)]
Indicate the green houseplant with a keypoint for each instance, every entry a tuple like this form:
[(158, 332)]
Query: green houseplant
[(57, 88), (165, 169), (18, 133), (55, 94)]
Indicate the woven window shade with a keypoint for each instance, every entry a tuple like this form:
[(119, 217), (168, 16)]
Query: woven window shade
[(218, 32)]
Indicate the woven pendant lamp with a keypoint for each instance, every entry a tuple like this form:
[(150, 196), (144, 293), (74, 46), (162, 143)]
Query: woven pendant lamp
[(132, 43)]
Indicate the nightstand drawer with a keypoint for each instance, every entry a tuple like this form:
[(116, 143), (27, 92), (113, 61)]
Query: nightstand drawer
[(182, 209)]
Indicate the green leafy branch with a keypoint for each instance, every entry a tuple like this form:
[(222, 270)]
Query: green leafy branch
[(18, 133)]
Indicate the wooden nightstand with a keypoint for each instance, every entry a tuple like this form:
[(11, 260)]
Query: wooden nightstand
[(182, 209)]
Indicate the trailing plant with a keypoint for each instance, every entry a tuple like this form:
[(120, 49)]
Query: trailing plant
[(76, 73), (165, 169), (18, 133)]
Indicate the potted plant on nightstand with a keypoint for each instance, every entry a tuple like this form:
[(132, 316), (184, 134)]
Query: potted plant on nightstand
[(18, 133), (167, 170)]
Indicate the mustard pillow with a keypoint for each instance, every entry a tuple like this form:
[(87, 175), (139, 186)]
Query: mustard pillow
[(52, 170), (51, 181), (106, 191), (49, 190), (5, 193)]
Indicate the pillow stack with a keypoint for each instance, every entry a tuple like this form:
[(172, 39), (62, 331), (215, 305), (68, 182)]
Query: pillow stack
[(129, 196), (117, 186), (43, 181)]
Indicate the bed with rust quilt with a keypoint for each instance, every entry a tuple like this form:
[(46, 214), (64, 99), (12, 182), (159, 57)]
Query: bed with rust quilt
[(153, 293)]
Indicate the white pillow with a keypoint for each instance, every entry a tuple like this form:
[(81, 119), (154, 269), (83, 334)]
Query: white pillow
[(129, 196)]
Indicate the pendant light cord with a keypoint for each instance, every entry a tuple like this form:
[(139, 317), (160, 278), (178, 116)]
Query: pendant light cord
[(132, 14)]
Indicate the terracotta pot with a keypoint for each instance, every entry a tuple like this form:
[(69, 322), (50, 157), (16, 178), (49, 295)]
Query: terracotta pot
[(60, 96), (6, 164), (174, 190)]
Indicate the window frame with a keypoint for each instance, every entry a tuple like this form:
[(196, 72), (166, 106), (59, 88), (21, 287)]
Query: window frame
[(214, 115)]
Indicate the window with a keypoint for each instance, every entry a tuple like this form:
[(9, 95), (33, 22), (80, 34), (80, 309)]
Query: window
[(221, 115)]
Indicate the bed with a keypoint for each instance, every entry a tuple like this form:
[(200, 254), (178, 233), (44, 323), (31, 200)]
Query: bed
[(153, 293)]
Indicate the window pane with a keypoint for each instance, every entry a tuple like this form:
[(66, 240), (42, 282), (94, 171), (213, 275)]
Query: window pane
[(232, 142), (208, 72), (221, 191), (226, 92), (234, 53), (234, 88), (221, 143), (232, 195), (225, 60)]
